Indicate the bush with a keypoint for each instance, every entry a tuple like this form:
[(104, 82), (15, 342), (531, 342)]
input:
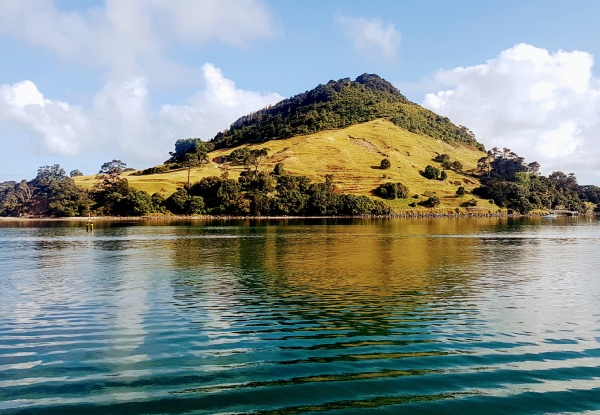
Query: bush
[(460, 192), (385, 164), (431, 202), (443, 175), (392, 191), (431, 173), (278, 170), (469, 203), (442, 158)]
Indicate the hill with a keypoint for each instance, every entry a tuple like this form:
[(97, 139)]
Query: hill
[(339, 104), (352, 155)]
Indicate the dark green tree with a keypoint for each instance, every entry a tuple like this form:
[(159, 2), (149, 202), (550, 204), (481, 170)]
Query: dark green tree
[(431, 173), (114, 167)]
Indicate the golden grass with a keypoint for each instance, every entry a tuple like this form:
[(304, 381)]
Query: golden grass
[(353, 156)]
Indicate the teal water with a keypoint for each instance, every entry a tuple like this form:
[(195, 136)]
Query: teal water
[(440, 316)]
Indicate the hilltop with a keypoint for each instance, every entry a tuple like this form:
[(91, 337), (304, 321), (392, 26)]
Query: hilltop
[(339, 104)]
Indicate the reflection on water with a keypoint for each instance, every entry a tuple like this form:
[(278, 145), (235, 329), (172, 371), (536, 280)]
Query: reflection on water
[(432, 316)]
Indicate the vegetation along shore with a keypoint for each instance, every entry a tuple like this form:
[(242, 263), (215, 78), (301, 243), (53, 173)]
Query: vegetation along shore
[(345, 148)]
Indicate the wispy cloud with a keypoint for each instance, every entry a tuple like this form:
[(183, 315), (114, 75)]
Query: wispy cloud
[(371, 36), (543, 105), (133, 36)]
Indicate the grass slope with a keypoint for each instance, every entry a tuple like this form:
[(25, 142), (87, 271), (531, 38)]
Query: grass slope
[(352, 155)]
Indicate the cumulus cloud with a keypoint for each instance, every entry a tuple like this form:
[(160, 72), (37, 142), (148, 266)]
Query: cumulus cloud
[(120, 118), (371, 36), (543, 105), (58, 124), (218, 105), (132, 43)]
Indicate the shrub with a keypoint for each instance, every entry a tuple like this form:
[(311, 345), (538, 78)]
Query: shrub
[(469, 203), (392, 191), (460, 192), (278, 170), (385, 164), (431, 202), (431, 172)]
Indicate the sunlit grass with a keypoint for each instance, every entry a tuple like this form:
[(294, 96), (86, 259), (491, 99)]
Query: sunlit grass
[(352, 155)]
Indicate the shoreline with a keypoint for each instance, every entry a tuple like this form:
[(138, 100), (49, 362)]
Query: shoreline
[(411, 215)]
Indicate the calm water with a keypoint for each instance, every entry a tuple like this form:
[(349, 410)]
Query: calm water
[(444, 316)]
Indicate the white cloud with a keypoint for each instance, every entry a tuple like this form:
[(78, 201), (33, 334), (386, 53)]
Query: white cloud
[(371, 36), (214, 108), (543, 105), (129, 37), (58, 124), (120, 123), (132, 42)]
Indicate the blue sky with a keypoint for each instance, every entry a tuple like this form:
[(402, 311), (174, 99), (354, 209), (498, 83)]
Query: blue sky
[(84, 82)]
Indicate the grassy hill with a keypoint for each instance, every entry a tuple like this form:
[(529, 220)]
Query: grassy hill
[(353, 155), (340, 104)]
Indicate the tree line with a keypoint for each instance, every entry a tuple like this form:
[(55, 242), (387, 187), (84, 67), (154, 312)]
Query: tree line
[(53, 193), (518, 186)]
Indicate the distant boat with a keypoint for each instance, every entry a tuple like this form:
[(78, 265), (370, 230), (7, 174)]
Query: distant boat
[(549, 216)]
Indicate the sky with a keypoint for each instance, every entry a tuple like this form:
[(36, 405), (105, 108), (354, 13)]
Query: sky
[(83, 82)]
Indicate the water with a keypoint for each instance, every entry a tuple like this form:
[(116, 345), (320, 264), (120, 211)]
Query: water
[(441, 316)]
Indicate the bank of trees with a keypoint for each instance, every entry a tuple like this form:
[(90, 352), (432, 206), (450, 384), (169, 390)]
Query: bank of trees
[(514, 184), (53, 193)]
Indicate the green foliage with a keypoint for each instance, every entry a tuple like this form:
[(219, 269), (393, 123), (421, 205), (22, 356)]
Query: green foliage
[(443, 175), (469, 203), (182, 203), (385, 164), (219, 195), (339, 104), (392, 191), (516, 186), (442, 158), (113, 167), (190, 149), (431, 202), (460, 192), (292, 195), (431, 173), (53, 193), (153, 170), (75, 173), (137, 203)]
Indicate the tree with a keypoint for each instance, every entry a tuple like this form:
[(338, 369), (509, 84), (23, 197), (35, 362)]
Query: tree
[(191, 160), (431, 202), (137, 203), (431, 173), (219, 195), (75, 173), (53, 193), (194, 146), (460, 192), (443, 175), (109, 195), (385, 164), (114, 167), (392, 191)]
